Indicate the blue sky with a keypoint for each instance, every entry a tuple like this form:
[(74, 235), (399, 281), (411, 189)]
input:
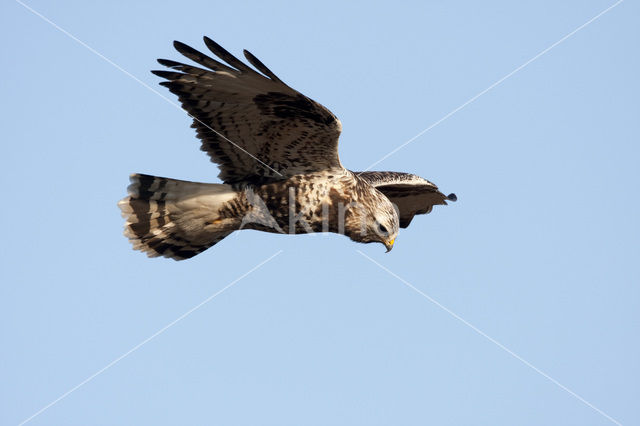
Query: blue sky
[(540, 253)]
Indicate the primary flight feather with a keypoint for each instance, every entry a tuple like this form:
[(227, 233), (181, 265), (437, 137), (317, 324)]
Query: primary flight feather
[(277, 151)]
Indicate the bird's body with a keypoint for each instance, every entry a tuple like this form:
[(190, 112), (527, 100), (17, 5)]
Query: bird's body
[(277, 151)]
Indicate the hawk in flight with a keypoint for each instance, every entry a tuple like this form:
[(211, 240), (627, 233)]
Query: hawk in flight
[(277, 151)]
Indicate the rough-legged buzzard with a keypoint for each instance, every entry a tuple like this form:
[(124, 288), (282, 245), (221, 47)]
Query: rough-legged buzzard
[(278, 156)]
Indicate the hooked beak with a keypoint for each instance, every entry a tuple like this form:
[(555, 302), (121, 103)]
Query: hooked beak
[(389, 245)]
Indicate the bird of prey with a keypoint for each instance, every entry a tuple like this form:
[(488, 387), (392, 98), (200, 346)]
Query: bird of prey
[(277, 151)]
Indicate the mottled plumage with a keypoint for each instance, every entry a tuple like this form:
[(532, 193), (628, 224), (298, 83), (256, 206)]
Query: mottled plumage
[(278, 156)]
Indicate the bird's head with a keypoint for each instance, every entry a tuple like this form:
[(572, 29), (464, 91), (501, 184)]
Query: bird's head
[(374, 220)]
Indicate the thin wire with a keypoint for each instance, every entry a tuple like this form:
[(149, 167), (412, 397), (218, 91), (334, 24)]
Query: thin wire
[(92, 50), (493, 85), (491, 339), (145, 341)]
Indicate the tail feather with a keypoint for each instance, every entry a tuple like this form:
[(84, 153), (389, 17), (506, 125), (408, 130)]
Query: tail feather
[(173, 218)]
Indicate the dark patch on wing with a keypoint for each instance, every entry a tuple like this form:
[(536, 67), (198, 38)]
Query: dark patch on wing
[(286, 106)]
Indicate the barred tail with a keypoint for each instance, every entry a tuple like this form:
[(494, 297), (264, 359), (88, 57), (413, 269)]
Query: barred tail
[(175, 218)]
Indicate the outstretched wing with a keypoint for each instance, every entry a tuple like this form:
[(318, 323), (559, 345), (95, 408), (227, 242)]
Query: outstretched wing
[(410, 193), (253, 125)]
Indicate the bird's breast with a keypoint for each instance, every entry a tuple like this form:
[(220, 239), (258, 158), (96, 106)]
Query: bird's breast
[(302, 204)]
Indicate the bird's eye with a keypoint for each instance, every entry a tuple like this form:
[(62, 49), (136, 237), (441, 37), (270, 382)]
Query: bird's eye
[(382, 229)]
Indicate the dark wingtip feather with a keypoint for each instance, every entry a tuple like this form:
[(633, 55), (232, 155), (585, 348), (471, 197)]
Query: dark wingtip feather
[(186, 50), (201, 58), (216, 48), (178, 45), (212, 44), (260, 66), (169, 63), (223, 54), (452, 197), (169, 75), (168, 84)]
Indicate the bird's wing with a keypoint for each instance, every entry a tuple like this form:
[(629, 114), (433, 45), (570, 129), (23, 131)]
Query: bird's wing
[(410, 193), (252, 124)]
